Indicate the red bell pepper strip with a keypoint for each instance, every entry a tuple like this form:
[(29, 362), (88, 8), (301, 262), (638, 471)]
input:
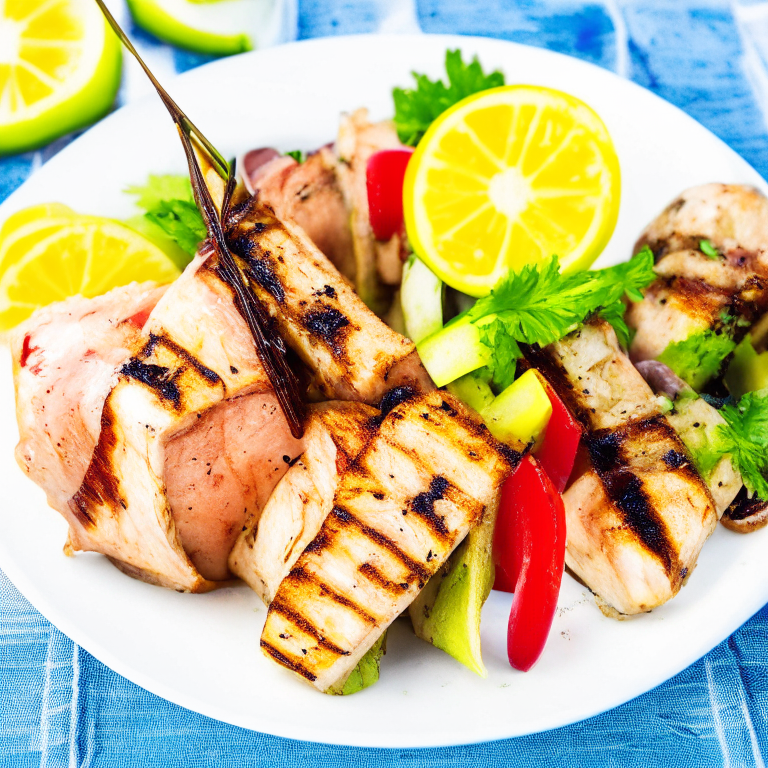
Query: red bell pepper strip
[(556, 455), (530, 546), (557, 452), (384, 178)]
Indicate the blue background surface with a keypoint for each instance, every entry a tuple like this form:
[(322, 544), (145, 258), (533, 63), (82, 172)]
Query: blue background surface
[(61, 707)]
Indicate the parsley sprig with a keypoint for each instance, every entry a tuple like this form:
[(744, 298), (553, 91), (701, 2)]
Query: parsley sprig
[(417, 108), (539, 305), (699, 357), (744, 437), (168, 203)]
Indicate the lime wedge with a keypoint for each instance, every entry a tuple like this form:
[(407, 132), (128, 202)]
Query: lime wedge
[(220, 28), (59, 70)]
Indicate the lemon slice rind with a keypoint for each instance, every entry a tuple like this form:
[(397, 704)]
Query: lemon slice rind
[(83, 255), (517, 196)]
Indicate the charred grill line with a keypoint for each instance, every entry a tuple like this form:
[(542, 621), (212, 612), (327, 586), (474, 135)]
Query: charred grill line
[(393, 398), (100, 485), (424, 505), (156, 340), (347, 518), (375, 576), (307, 627), (286, 662), (161, 379), (303, 576), (328, 324), (258, 266), (158, 378), (625, 489)]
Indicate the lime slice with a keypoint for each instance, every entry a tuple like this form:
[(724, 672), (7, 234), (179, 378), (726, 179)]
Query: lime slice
[(219, 28), (84, 255), (59, 70), (508, 177)]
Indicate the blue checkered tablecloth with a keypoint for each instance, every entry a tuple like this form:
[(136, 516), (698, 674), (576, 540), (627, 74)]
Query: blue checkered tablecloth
[(61, 707)]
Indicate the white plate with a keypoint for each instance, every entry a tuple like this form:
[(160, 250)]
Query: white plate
[(201, 651)]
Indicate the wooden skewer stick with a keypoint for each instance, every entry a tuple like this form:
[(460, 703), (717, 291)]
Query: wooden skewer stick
[(199, 151)]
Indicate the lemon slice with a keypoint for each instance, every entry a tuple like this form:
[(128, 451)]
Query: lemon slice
[(23, 229), (59, 70), (84, 255), (220, 28), (508, 177)]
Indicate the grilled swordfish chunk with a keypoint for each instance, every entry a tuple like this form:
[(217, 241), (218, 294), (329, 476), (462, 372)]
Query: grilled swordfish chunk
[(308, 194), (65, 362), (419, 485), (327, 197), (269, 544), (190, 436), (639, 514), (724, 292), (351, 354)]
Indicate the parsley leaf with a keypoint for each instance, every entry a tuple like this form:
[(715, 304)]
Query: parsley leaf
[(708, 249), (699, 357), (538, 305), (297, 155), (504, 352), (416, 109), (744, 437), (169, 204)]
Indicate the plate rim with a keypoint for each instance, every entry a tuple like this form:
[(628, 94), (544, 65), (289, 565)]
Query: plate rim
[(69, 626)]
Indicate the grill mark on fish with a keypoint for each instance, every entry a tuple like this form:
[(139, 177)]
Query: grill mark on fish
[(162, 379), (326, 290), (625, 489), (346, 518), (301, 575), (279, 606), (393, 398), (327, 324), (424, 505), (674, 459), (156, 340), (100, 486), (377, 577), (280, 658), (259, 267), (157, 377)]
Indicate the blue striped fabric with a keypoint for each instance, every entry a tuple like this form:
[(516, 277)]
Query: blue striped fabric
[(61, 707)]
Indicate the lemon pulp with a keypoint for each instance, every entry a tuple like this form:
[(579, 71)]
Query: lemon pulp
[(48, 259), (508, 177)]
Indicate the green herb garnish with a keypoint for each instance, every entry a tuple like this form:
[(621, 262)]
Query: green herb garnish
[(744, 437), (297, 155), (169, 204), (416, 109), (504, 352), (699, 357), (708, 249), (539, 305)]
